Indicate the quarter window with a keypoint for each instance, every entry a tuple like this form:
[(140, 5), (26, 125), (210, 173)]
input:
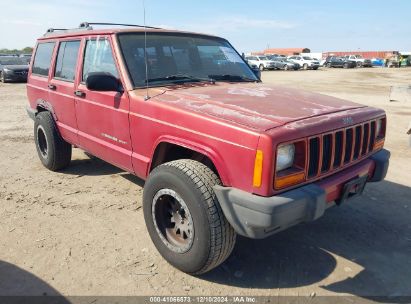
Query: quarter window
[(67, 60), (42, 59), (98, 57)]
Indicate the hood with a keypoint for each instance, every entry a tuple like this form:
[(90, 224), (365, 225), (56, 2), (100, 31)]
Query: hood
[(254, 105), (15, 67)]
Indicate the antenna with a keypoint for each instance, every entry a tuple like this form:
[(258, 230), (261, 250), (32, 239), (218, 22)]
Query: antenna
[(147, 97)]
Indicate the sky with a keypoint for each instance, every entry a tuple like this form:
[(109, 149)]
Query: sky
[(321, 25)]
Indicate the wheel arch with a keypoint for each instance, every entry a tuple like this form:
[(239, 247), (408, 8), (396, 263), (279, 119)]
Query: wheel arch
[(44, 106), (170, 148)]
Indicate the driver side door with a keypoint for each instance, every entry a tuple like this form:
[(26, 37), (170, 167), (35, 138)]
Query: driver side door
[(103, 117)]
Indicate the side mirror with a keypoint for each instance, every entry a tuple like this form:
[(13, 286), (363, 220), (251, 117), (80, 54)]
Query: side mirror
[(102, 81), (257, 72)]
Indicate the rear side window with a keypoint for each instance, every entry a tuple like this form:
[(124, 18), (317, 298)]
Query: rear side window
[(98, 57), (42, 59), (67, 60)]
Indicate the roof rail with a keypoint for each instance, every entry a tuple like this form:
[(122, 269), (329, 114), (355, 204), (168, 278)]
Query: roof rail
[(88, 25), (51, 31)]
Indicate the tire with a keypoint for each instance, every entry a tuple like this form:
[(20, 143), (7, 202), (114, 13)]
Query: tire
[(316, 68), (2, 79), (329, 65), (207, 239), (305, 66), (345, 66), (261, 67), (359, 64), (54, 152), (285, 67)]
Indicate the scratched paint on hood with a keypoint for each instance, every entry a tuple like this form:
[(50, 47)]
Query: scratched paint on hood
[(257, 106)]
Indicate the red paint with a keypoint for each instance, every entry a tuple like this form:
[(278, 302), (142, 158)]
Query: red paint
[(227, 122)]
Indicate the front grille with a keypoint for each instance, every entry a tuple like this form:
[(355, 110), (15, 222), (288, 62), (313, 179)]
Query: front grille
[(340, 148)]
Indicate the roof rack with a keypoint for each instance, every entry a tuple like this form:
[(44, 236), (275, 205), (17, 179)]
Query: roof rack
[(88, 26)]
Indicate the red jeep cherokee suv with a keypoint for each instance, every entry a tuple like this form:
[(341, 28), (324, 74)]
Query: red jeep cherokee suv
[(221, 152)]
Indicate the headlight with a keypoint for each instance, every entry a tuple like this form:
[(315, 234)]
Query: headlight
[(6, 70), (285, 157), (378, 127)]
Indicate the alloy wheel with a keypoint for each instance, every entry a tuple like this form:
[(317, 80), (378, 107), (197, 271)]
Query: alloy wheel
[(172, 220)]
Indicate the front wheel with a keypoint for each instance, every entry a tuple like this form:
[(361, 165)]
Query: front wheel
[(285, 67), (305, 66), (184, 218), (261, 67)]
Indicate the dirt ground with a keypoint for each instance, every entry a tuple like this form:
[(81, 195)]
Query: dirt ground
[(81, 231)]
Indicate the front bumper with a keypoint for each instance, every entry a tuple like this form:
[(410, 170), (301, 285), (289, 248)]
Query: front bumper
[(12, 76), (258, 217)]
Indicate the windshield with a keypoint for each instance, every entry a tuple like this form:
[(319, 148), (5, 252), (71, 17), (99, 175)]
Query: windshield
[(176, 58), (263, 58), (13, 61), (307, 58)]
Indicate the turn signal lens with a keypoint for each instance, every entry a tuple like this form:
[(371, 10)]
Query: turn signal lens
[(379, 145), (289, 180), (258, 169)]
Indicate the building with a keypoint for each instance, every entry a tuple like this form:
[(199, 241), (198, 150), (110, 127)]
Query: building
[(282, 51), (287, 51), (366, 54)]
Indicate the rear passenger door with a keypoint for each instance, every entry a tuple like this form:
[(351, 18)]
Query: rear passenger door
[(61, 88), (103, 117)]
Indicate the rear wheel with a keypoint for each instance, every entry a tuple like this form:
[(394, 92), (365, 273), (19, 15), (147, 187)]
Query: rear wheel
[(184, 218), (261, 67), (54, 152), (345, 66), (286, 67), (359, 64), (305, 66), (2, 79)]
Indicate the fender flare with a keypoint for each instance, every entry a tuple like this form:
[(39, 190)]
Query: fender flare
[(41, 103), (214, 156)]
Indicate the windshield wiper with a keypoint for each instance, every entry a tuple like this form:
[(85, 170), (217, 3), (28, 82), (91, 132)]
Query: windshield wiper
[(180, 77), (229, 77)]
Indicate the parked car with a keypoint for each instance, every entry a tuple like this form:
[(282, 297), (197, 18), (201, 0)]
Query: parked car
[(392, 61), (305, 62), (26, 57), (377, 62), (262, 62), (221, 152), (282, 63), (340, 62), (252, 65), (13, 69), (360, 61)]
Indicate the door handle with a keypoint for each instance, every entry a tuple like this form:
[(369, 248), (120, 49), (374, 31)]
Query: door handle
[(52, 87), (79, 93)]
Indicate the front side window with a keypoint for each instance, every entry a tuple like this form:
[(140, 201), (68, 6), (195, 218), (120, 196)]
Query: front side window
[(42, 59), (98, 57), (67, 60), (173, 58)]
